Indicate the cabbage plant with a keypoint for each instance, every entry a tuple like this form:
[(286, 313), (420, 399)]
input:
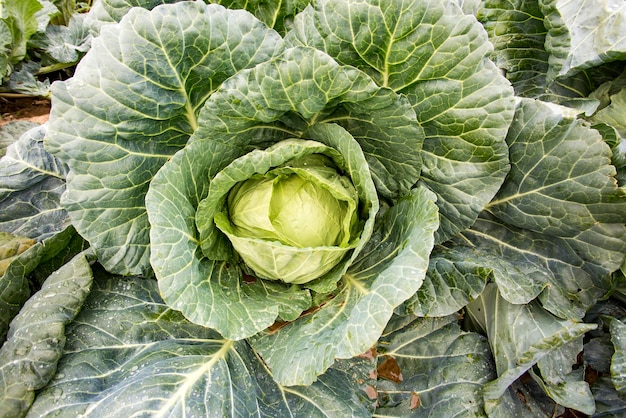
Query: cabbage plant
[(324, 208)]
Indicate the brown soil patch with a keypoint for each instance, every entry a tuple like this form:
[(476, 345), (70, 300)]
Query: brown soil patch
[(24, 108)]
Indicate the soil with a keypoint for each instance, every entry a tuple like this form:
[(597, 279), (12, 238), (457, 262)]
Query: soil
[(24, 108)]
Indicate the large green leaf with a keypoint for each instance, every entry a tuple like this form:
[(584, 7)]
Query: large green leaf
[(609, 121), (524, 398), (105, 12), (432, 368), (458, 275), (275, 14), (516, 30), (15, 283), (353, 320), (14, 286), (574, 271), (609, 403), (132, 103), (603, 351), (561, 180), (562, 192), (11, 247), (129, 354), (6, 40), (612, 97), (21, 19), (436, 55), (33, 181), (522, 336), (454, 277), (578, 40), (28, 359), (12, 131), (64, 44), (567, 210)]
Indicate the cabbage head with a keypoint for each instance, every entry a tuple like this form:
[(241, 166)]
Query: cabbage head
[(293, 223)]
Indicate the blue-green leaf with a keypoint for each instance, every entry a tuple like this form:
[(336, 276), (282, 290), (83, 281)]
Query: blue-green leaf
[(561, 180), (33, 181), (441, 370), (28, 359), (522, 336), (130, 353)]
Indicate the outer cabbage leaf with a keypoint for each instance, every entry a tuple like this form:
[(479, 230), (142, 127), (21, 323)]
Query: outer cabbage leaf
[(574, 271), (583, 34), (458, 275), (516, 28), (130, 353), (609, 121), (6, 40), (525, 398), (604, 351), (28, 359), (522, 336), (105, 12), (24, 80), (561, 180), (33, 181), (132, 103), (12, 131), (275, 14), (438, 57), (609, 403), (517, 32), (432, 368), (21, 19), (612, 97), (572, 217), (11, 247), (64, 44), (14, 285), (388, 271), (22, 273)]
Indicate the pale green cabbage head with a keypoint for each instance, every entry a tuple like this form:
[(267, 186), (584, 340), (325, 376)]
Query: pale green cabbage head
[(293, 223)]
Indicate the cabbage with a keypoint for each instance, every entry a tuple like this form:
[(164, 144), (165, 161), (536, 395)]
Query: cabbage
[(293, 223), (342, 208)]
